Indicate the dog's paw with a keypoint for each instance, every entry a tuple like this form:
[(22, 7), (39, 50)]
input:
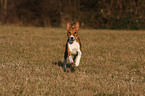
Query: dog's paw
[(72, 69)]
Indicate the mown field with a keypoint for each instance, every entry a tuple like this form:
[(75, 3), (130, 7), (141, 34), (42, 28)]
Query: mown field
[(112, 63)]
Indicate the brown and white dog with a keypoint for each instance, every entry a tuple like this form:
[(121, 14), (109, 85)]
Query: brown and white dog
[(73, 45)]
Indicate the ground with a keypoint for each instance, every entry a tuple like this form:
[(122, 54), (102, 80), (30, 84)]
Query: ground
[(112, 63)]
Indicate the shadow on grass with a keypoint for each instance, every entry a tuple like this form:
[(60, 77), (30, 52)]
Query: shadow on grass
[(60, 64)]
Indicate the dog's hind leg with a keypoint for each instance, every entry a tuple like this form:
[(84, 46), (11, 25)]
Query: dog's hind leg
[(64, 65), (65, 58), (65, 61)]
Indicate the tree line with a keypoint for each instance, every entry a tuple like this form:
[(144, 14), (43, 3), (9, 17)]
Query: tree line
[(112, 14)]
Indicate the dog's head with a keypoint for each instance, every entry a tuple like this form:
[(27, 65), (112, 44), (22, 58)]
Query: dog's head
[(72, 31)]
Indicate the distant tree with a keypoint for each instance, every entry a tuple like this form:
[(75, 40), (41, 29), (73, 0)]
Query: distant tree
[(3, 6), (116, 14)]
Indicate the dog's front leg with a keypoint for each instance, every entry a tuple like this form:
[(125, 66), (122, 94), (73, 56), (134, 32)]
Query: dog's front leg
[(78, 58), (70, 59)]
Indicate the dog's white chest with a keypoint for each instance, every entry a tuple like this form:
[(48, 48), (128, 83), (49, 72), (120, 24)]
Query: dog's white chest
[(74, 47)]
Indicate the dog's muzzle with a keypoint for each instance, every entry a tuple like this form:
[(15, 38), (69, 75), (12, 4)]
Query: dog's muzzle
[(71, 38)]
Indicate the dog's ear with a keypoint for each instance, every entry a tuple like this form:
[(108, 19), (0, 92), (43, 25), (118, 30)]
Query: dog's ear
[(77, 26), (68, 25)]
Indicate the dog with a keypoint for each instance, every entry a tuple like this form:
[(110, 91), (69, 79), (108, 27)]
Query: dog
[(73, 46)]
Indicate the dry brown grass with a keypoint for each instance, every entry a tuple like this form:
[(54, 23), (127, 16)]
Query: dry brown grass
[(113, 62)]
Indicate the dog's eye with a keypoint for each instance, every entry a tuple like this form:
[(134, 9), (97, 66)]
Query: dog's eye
[(75, 32), (69, 32)]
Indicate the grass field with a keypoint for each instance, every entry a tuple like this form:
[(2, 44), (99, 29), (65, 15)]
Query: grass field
[(112, 63)]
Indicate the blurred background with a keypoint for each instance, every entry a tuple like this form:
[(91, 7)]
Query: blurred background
[(99, 14)]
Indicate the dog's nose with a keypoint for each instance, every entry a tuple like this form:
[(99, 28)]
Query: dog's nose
[(72, 38)]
